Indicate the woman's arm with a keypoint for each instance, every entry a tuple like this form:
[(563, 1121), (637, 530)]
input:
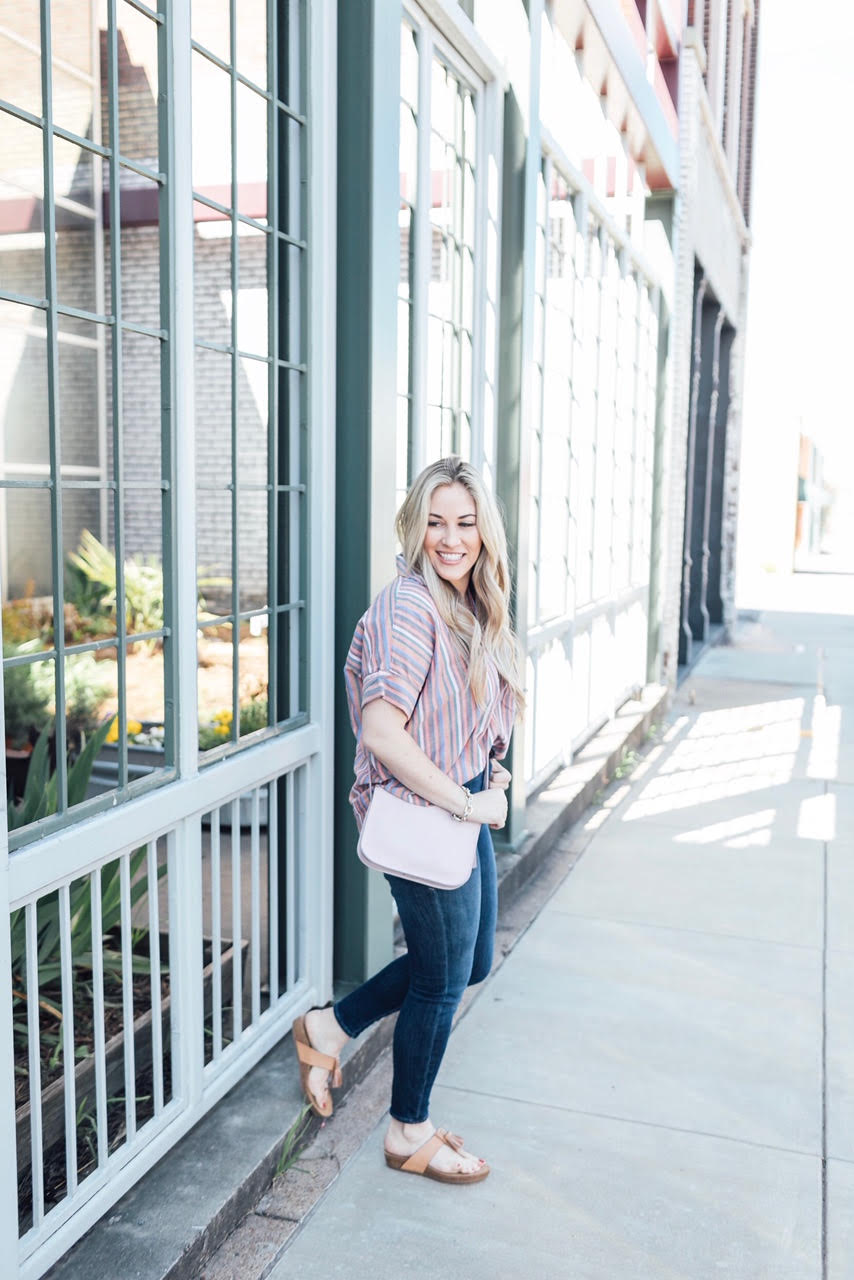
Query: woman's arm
[(384, 735)]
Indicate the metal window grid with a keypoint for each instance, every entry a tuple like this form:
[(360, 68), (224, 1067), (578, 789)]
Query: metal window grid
[(285, 619), (61, 478), (580, 654), (460, 418), (285, 907)]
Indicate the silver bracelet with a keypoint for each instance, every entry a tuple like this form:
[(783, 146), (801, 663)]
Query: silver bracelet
[(466, 813)]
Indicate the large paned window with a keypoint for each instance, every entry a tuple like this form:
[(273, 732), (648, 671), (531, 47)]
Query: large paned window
[(444, 294), (87, 521), (85, 516), (595, 343), (249, 234)]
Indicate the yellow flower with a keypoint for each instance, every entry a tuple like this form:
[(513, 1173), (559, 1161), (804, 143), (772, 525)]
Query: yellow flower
[(223, 717), (134, 727), (222, 730)]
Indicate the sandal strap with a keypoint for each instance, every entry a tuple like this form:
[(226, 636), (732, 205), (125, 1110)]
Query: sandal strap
[(314, 1058), (420, 1159)]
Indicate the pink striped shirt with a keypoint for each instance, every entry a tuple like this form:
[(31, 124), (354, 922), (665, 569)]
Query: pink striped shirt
[(404, 652)]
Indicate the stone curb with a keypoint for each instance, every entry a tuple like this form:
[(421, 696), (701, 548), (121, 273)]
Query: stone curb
[(170, 1222)]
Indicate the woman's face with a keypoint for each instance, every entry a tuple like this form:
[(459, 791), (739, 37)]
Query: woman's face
[(452, 541)]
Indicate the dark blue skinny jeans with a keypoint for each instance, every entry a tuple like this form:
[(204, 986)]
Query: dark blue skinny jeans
[(449, 938)]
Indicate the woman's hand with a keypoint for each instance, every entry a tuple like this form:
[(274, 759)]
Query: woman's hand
[(489, 807), (499, 777)]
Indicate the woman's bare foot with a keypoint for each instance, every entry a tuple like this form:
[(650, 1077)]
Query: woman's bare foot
[(325, 1035), (405, 1139)]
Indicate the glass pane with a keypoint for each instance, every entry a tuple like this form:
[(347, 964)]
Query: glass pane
[(90, 564), (24, 426), (140, 244), (144, 599), (74, 173), (216, 697), (211, 26), (138, 86), (76, 44), (213, 552), (254, 668), (28, 573), (212, 275), (251, 153), (213, 418), (81, 416), (30, 697), (78, 252), (211, 130), (145, 703), (21, 208), (252, 300), (141, 407), (252, 41), (252, 552), (90, 685), (25, 88), (252, 426)]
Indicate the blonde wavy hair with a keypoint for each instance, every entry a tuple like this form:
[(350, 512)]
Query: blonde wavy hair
[(485, 633)]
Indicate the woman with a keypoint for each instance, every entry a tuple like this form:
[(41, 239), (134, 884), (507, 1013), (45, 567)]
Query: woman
[(433, 686)]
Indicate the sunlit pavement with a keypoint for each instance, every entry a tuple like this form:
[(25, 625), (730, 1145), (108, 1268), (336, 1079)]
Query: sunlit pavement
[(662, 1071)]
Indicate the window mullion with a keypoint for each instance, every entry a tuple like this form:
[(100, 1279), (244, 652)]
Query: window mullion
[(273, 461), (118, 434), (52, 322), (179, 550), (235, 370)]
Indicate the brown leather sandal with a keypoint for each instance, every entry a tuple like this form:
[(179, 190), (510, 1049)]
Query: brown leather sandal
[(308, 1057), (419, 1161)]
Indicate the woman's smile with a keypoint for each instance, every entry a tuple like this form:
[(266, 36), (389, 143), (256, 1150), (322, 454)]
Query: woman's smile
[(453, 540)]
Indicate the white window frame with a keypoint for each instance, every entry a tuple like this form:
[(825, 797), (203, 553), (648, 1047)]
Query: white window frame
[(176, 809), (611, 605)]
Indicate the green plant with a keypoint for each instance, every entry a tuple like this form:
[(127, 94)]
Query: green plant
[(143, 582), (26, 704), (253, 714), (85, 690), (40, 799), (40, 793), (293, 1142)]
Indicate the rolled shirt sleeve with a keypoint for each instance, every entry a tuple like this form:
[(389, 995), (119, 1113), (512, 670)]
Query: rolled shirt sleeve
[(398, 645)]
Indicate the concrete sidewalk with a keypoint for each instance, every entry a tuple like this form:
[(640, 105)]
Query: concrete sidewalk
[(661, 1073)]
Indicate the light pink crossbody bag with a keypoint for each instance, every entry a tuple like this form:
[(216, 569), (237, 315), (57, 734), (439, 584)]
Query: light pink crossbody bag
[(417, 842)]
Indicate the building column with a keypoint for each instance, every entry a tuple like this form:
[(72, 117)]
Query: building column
[(368, 268), (521, 167)]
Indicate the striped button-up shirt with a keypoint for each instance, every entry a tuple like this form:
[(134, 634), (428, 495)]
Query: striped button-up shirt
[(404, 652)]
